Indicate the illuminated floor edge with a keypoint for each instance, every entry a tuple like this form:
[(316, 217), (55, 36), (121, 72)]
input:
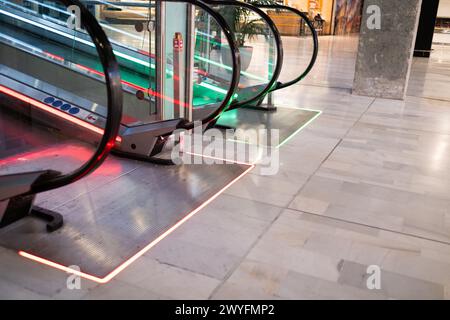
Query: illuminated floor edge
[(54, 263), (306, 124), (289, 122)]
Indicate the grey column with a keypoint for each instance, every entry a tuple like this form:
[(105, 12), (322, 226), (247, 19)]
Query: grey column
[(385, 54)]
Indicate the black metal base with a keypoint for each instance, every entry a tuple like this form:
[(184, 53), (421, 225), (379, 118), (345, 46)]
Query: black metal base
[(257, 107), (143, 158), (17, 208), (54, 220), (266, 108), (422, 54), (223, 127)]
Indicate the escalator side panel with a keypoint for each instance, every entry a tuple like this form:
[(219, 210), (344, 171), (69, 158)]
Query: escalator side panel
[(17, 191), (68, 80)]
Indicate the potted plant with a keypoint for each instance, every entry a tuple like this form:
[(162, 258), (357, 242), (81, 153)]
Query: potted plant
[(246, 27)]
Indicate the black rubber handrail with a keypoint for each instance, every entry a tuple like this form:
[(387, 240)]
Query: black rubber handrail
[(279, 48), (114, 93), (304, 17)]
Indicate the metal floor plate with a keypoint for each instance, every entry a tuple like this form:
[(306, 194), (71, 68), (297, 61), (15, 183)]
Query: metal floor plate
[(287, 120), (110, 222)]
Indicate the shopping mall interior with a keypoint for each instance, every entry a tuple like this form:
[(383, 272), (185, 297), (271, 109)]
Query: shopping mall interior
[(205, 150)]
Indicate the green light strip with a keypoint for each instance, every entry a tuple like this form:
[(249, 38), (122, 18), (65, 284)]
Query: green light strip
[(301, 128), (294, 133)]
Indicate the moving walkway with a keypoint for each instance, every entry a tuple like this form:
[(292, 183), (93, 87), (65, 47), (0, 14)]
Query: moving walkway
[(61, 86), (159, 95), (257, 27), (291, 31), (26, 140), (48, 49)]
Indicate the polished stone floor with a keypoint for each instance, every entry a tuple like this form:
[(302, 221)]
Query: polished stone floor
[(442, 38), (367, 183)]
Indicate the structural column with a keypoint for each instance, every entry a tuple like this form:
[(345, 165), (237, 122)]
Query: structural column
[(427, 22), (386, 46)]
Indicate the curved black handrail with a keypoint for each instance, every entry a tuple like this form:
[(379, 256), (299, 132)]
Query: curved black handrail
[(279, 47), (313, 33), (114, 93)]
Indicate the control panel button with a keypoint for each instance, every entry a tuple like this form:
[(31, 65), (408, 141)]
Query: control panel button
[(57, 103), (66, 107), (49, 100), (74, 110)]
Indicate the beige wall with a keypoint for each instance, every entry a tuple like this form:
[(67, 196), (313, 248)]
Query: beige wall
[(444, 9), (327, 13), (326, 10), (298, 4)]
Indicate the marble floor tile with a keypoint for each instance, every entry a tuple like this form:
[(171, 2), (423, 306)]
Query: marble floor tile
[(275, 268), (252, 279), (299, 286), (19, 273), (266, 189), (217, 238), (118, 290), (168, 281), (392, 285), (11, 291)]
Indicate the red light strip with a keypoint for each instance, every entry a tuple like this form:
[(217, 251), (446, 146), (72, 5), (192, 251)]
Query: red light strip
[(151, 55), (136, 87), (146, 53), (135, 257), (53, 111), (90, 70), (54, 56)]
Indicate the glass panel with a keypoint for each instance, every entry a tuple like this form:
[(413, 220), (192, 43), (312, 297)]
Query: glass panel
[(257, 47), (194, 81), (53, 99), (130, 27), (213, 65), (175, 36), (298, 42)]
